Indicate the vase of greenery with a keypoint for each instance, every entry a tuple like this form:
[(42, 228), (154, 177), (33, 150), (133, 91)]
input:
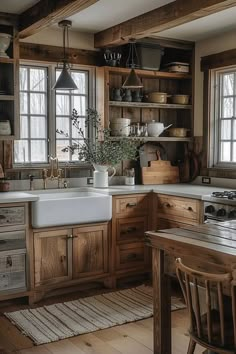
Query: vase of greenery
[(101, 151)]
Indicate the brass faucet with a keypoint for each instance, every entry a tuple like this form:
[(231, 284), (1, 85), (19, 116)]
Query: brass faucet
[(55, 173), (52, 161), (45, 177)]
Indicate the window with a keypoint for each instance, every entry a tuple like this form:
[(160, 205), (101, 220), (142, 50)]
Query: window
[(43, 111), (33, 143), (223, 127)]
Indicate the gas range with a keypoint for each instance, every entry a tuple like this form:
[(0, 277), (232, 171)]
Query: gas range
[(220, 206)]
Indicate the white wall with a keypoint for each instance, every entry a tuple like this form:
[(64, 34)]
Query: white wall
[(205, 47), (53, 36)]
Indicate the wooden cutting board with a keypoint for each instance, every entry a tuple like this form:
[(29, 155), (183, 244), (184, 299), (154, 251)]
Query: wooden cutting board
[(160, 172)]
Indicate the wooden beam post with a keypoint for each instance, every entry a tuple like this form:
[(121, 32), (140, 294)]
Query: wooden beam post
[(47, 12), (165, 17)]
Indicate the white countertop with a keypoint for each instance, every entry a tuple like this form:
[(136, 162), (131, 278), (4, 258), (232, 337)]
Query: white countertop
[(182, 190), (16, 197)]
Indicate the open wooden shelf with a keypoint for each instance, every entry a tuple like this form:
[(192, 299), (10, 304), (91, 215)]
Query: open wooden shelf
[(7, 97), (149, 73), (149, 138), (149, 105)]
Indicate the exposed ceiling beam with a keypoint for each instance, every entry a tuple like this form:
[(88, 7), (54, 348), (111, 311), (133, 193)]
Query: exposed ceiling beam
[(47, 12), (165, 17)]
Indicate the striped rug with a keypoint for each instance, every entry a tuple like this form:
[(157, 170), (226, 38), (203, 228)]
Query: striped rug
[(59, 321)]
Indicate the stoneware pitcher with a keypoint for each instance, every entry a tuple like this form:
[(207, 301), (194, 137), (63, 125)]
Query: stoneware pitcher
[(100, 176)]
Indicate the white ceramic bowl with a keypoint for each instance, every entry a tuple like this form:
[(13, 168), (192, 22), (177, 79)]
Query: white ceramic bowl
[(5, 40)]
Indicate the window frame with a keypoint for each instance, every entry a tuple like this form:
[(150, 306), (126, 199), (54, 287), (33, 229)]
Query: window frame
[(51, 109), (214, 102)]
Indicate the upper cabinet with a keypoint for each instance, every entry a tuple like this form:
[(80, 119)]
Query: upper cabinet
[(9, 81), (142, 106)]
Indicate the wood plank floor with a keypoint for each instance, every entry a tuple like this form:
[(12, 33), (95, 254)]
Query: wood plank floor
[(131, 338)]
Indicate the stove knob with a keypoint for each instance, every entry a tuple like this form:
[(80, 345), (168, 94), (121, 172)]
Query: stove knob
[(209, 209), (232, 214), (221, 212)]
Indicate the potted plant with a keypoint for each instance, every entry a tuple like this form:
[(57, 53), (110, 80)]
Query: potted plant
[(101, 151)]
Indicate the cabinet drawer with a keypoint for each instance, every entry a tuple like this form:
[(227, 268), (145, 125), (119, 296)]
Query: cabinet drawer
[(130, 255), (168, 224), (14, 215), (178, 209), (131, 229), (137, 204)]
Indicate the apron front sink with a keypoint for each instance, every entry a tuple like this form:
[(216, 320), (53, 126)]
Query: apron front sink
[(67, 208)]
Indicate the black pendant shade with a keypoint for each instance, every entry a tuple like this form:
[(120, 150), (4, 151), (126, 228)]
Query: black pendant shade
[(132, 81), (65, 81)]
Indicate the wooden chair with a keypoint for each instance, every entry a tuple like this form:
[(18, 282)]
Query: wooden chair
[(213, 328)]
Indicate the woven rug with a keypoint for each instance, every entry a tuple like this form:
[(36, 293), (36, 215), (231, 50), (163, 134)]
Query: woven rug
[(59, 321)]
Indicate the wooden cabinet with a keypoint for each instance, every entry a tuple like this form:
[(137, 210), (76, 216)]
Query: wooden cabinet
[(131, 218), (90, 251), (172, 212), (67, 255), (9, 81), (52, 261), (143, 112)]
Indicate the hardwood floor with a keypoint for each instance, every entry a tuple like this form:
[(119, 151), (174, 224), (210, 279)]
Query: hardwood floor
[(131, 338)]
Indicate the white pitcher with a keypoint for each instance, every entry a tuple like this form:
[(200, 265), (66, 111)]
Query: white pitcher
[(100, 176)]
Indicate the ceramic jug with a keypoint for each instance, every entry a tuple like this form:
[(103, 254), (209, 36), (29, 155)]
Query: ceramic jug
[(100, 176), (116, 94), (127, 97)]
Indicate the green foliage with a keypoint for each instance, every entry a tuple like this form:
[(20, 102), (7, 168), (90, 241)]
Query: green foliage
[(101, 150)]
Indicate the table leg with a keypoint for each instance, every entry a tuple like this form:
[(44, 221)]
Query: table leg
[(161, 304)]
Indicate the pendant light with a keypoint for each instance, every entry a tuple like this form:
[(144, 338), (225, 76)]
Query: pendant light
[(65, 81), (132, 81)]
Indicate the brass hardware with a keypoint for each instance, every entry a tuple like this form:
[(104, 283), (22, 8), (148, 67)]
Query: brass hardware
[(132, 256), (63, 258), (45, 176), (131, 204), (71, 236)]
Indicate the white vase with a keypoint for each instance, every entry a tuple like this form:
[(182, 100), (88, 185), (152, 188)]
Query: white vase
[(100, 176)]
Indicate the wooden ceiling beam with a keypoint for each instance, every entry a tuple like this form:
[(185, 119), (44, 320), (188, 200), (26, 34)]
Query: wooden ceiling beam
[(165, 17), (48, 12)]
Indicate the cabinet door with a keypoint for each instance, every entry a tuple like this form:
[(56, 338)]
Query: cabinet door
[(52, 256), (90, 251)]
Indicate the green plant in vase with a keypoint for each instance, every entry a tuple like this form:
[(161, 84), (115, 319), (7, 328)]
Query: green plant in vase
[(100, 151)]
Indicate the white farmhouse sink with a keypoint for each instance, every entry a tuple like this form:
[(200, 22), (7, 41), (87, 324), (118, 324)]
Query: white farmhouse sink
[(67, 208)]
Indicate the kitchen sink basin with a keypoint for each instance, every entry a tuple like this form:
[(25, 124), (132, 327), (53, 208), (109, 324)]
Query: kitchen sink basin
[(67, 208)]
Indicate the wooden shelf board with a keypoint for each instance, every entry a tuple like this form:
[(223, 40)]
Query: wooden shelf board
[(7, 97), (7, 137), (159, 138), (149, 105), (7, 60), (149, 73)]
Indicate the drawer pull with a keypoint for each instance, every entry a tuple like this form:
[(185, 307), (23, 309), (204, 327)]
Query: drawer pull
[(131, 205), (167, 205), (190, 208), (132, 256), (9, 261), (2, 217), (131, 229)]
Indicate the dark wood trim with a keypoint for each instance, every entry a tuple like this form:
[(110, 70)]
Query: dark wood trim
[(218, 60), (9, 19), (48, 12), (160, 19), (206, 131), (48, 53)]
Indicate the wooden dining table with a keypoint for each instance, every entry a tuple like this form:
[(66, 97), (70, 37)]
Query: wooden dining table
[(205, 247)]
